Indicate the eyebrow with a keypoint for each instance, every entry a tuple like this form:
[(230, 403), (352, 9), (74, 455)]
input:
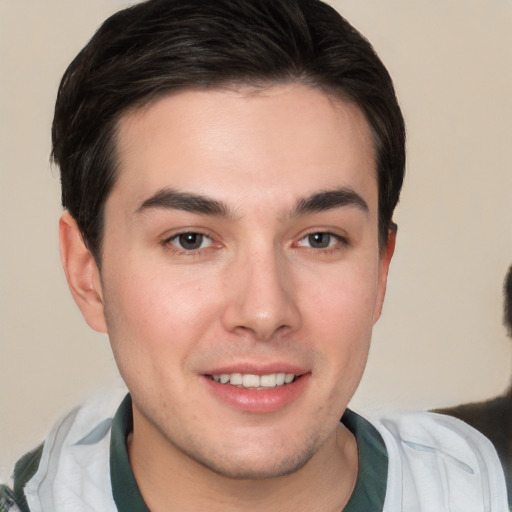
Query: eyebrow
[(330, 199), (170, 199)]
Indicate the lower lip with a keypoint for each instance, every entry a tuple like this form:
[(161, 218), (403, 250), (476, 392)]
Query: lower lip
[(259, 400)]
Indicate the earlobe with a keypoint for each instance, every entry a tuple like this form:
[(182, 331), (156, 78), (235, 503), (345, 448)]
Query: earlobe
[(82, 273), (385, 260)]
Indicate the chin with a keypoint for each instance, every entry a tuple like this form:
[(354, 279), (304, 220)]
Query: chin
[(256, 467)]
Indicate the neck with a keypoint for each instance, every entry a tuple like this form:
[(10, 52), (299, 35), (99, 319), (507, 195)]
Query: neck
[(171, 481)]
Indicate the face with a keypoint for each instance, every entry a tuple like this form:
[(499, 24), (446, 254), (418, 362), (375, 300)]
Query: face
[(241, 273)]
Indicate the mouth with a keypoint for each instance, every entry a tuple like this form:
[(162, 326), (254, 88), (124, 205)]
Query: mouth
[(252, 381), (258, 391)]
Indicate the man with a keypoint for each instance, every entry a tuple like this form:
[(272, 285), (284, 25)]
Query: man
[(494, 417), (229, 172)]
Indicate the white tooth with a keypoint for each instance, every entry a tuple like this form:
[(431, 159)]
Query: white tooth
[(236, 379), (280, 377), (250, 381), (254, 381), (268, 381)]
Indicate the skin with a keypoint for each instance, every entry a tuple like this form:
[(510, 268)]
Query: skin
[(277, 280)]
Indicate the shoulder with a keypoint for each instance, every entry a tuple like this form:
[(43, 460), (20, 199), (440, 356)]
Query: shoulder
[(439, 431), (493, 418), (436, 459), (74, 459)]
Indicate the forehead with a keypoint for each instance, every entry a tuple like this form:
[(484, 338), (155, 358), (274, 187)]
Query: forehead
[(281, 142)]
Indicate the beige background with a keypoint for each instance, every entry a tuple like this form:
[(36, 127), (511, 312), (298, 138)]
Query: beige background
[(440, 340)]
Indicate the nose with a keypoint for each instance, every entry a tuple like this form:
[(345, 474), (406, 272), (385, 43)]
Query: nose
[(262, 301)]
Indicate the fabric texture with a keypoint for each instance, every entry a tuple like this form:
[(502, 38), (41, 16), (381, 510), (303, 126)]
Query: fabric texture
[(438, 463)]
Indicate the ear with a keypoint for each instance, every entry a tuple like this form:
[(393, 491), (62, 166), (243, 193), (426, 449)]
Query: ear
[(82, 273), (385, 260)]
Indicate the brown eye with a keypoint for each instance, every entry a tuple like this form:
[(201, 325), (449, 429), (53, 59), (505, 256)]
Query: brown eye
[(320, 240), (190, 241)]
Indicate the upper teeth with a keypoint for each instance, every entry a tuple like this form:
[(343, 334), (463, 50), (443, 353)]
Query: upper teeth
[(248, 380)]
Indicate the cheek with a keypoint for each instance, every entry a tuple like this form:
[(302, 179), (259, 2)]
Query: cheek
[(343, 301), (158, 311), (341, 320)]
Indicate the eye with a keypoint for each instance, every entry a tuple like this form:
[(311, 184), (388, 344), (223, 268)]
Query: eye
[(320, 240), (190, 241)]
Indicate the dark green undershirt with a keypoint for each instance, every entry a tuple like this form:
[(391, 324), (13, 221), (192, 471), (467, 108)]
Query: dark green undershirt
[(369, 491)]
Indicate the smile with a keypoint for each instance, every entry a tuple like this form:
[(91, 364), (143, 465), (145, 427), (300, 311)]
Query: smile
[(251, 381)]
